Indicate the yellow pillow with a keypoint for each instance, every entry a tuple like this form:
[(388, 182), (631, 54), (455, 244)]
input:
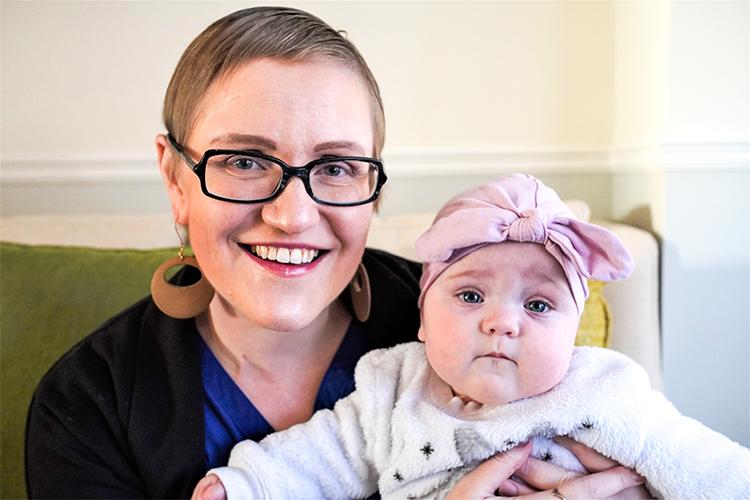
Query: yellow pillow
[(595, 325)]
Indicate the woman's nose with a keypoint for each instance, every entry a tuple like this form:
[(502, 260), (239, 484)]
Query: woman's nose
[(293, 211), (501, 322)]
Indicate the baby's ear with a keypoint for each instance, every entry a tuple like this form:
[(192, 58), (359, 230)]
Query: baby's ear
[(420, 333)]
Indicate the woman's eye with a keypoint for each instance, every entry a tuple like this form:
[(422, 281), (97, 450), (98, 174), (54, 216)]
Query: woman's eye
[(538, 306), (336, 169), (244, 163), (470, 297), (237, 164)]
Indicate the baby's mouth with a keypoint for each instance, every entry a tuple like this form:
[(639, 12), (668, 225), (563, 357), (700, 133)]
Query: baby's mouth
[(499, 355), (284, 255)]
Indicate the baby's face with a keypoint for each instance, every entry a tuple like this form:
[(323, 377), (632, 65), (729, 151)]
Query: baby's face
[(499, 325)]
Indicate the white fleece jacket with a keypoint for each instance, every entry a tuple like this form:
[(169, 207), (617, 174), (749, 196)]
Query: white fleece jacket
[(402, 433)]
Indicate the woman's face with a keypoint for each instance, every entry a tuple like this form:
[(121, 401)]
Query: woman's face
[(295, 111)]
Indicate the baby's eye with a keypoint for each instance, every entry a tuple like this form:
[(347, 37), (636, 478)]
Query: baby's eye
[(470, 297), (538, 306)]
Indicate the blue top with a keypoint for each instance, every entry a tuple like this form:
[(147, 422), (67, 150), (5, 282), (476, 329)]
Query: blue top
[(231, 417)]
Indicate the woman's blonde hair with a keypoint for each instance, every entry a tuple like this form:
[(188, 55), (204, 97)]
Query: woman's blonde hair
[(274, 32)]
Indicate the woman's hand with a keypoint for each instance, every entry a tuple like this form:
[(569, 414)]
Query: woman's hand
[(209, 488), (483, 481), (606, 479)]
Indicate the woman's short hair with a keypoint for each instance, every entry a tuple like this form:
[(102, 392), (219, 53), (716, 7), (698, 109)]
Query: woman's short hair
[(274, 32)]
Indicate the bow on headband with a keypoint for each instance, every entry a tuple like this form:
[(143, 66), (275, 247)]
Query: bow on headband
[(520, 208)]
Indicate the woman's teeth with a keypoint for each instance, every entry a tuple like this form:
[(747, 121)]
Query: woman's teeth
[(284, 255)]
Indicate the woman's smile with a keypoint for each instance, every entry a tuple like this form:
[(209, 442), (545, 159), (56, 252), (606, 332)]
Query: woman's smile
[(285, 260), (283, 254)]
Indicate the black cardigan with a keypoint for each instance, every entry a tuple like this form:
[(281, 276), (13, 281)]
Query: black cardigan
[(121, 414)]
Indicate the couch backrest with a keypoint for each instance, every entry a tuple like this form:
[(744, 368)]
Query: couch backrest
[(52, 296)]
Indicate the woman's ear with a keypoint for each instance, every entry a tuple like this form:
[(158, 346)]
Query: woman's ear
[(420, 333), (168, 163)]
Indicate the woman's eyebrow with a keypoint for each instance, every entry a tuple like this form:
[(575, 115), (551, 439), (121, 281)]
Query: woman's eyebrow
[(269, 145), (347, 145), (244, 139)]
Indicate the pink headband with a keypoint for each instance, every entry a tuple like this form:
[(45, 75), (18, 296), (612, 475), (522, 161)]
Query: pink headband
[(520, 208)]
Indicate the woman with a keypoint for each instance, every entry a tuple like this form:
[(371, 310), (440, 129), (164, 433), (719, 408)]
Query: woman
[(148, 402)]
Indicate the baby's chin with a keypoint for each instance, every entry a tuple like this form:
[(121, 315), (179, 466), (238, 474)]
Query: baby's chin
[(491, 399), (499, 390), (498, 398)]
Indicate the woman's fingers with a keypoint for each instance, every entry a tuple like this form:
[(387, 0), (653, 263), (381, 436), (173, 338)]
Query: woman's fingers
[(209, 488), (619, 482), (483, 481), (511, 488), (540, 475), (636, 492), (612, 482), (544, 475), (594, 462), (591, 460), (200, 488), (534, 475)]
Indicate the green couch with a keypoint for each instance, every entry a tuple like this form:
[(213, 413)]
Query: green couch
[(50, 298)]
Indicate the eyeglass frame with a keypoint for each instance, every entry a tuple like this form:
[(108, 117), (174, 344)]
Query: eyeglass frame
[(288, 171)]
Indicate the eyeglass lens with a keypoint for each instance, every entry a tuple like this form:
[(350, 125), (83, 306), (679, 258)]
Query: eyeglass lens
[(246, 178)]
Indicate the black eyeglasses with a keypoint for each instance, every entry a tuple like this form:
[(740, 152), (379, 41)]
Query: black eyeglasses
[(252, 177)]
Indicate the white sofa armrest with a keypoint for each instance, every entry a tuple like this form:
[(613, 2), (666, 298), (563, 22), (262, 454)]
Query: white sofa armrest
[(635, 302)]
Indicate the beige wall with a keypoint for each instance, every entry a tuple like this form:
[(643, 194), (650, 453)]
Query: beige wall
[(706, 225), (86, 79)]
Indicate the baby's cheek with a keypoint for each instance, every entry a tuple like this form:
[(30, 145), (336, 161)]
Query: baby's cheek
[(445, 359), (446, 356), (548, 370)]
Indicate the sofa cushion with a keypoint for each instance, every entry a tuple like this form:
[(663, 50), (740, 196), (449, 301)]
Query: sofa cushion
[(595, 327), (51, 297)]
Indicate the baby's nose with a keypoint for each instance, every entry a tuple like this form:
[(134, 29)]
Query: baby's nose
[(501, 322)]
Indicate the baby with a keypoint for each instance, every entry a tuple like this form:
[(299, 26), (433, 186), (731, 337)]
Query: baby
[(502, 291)]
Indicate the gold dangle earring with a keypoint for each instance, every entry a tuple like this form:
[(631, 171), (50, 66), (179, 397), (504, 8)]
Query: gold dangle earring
[(359, 290), (180, 301)]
